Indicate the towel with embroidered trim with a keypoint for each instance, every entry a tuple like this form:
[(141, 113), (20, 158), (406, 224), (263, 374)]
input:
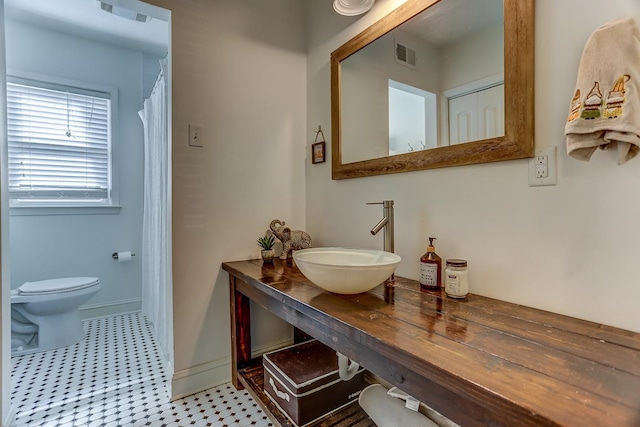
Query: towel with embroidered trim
[(605, 109)]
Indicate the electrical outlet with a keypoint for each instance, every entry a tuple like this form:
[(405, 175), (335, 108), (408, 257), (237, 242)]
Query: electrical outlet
[(542, 167), (195, 135)]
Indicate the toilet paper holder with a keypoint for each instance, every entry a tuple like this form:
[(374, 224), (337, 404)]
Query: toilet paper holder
[(115, 255)]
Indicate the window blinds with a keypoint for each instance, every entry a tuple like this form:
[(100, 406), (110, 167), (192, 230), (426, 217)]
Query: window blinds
[(59, 145)]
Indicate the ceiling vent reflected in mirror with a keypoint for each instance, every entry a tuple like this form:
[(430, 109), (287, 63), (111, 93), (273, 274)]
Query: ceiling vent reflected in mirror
[(124, 13), (405, 55), (352, 7)]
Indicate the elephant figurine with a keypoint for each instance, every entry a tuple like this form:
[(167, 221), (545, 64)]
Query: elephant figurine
[(291, 239)]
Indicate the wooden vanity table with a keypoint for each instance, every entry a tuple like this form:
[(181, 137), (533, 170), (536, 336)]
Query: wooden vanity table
[(478, 361)]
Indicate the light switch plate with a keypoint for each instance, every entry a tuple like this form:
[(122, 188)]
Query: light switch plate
[(542, 167), (195, 135)]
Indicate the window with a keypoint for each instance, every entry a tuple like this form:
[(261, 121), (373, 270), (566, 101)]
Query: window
[(59, 141)]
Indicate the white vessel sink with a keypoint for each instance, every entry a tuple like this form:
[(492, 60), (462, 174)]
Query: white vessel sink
[(344, 270)]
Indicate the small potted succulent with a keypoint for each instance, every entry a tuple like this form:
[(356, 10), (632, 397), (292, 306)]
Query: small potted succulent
[(266, 243)]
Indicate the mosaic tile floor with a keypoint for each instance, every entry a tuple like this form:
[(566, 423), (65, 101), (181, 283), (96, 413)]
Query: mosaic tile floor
[(115, 377)]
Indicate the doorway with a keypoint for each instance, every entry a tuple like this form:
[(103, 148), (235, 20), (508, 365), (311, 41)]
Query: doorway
[(84, 255), (412, 119)]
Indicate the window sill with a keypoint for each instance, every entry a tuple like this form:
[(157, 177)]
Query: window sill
[(63, 210)]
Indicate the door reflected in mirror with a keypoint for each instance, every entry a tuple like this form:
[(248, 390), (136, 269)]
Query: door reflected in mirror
[(434, 81)]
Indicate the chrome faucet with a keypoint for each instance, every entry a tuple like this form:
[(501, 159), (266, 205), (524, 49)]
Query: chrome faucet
[(387, 223)]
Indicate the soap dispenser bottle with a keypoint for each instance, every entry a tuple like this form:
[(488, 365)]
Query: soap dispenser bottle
[(430, 269)]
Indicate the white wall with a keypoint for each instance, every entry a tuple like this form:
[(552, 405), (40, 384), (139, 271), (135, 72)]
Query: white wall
[(477, 56), (150, 72), (52, 246), (239, 69), (571, 248)]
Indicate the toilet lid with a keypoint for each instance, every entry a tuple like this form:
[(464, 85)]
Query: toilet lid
[(57, 285)]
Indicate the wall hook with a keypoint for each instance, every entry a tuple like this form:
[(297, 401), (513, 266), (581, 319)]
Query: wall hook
[(317, 148)]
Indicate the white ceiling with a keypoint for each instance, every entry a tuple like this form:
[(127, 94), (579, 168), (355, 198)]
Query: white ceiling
[(84, 18), (452, 20)]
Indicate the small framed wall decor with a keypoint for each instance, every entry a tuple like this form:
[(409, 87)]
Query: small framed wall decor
[(318, 148)]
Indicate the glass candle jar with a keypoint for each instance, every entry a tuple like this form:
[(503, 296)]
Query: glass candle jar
[(456, 281)]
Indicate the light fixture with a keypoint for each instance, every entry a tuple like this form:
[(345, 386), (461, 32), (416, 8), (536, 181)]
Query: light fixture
[(352, 7), (123, 12)]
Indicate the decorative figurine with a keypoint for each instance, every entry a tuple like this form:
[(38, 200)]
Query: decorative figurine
[(291, 239)]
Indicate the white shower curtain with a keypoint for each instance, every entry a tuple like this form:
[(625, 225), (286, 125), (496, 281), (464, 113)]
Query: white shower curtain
[(156, 228)]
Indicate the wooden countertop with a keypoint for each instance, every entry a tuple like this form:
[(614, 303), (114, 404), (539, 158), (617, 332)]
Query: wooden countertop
[(479, 361)]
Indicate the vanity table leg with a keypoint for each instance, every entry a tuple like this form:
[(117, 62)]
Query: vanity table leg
[(300, 336), (240, 332)]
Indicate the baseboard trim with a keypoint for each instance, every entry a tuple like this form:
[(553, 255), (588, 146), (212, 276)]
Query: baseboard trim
[(168, 386), (200, 377), (272, 347), (114, 308), (208, 375), (10, 418)]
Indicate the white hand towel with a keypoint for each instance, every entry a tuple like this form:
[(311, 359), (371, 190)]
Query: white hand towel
[(605, 109)]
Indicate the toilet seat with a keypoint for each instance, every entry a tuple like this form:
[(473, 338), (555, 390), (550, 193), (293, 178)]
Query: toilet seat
[(53, 286)]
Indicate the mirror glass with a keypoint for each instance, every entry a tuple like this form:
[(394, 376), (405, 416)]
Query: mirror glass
[(436, 80), (428, 86)]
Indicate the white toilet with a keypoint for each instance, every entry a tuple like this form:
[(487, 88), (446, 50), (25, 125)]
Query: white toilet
[(45, 315)]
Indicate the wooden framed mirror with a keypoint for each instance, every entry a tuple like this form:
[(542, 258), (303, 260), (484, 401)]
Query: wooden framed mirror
[(367, 108)]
